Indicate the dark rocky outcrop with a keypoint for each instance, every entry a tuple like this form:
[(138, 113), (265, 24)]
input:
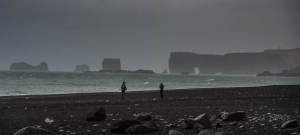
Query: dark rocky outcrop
[(43, 66), (199, 127), (143, 117), (234, 63), (121, 126), (140, 71), (265, 73), (165, 71), (148, 127), (188, 124), (83, 67), (202, 119), (98, 114), (294, 72), (290, 124), (138, 129), (185, 73), (111, 64), (233, 116)]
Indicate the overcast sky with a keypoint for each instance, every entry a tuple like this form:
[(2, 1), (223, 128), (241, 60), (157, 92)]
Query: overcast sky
[(142, 33)]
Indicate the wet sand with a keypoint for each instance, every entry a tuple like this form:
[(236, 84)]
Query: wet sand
[(261, 105)]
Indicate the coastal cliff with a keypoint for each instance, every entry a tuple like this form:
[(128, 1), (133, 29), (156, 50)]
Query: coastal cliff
[(83, 67), (111, 64), (140, 71), (25, 66), (294, 72), (234, 63)]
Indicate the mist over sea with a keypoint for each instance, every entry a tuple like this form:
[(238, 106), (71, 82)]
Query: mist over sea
[(40, 83)]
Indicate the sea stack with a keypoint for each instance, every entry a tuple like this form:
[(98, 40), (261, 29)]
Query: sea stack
[(43, 66), (111, 64), (83, 67), (165, 71)]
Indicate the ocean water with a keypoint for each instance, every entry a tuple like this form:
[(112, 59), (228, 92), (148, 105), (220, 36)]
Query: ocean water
[(40, 83)]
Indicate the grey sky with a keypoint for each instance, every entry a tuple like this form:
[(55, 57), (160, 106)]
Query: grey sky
[(140, 32)]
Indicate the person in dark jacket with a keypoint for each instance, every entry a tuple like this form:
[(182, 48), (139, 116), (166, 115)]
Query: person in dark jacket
[(123, 88), (161, 87)]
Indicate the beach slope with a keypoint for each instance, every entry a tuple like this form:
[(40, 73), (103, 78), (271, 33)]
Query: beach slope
[(266, 109)]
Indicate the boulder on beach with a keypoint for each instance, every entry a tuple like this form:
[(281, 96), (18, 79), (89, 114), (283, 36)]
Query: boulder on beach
[(198, 126), (143, 116), (98, 114), (138, 129), (174, 132), (148, 127), (233, 116), (188, 124), (121, 126), (152, 125), (202, 119), (32, 130), (290, 124)]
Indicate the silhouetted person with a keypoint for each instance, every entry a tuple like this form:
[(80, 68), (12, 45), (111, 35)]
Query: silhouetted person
[(123, 88), (161, 87)]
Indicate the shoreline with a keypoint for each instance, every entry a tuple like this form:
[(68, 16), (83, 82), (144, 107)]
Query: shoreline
[(69, 111), (139, 91)]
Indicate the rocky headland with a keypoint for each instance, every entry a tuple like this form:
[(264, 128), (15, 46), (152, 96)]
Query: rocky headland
[(294, 72), (235, 63), (43, 66)]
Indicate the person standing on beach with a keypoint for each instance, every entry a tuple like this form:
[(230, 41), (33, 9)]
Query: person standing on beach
[(161, 87), (123, 88)]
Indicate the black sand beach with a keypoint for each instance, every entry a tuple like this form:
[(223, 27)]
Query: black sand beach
[(262, 106)]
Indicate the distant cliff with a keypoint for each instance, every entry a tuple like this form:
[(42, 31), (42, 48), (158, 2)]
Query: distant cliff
[(24, 66), (83, 67), (294, 72), (140, 71), (234, 63), (111, 64)]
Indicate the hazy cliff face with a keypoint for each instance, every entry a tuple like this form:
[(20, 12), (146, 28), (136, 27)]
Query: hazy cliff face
[(233, 64)]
